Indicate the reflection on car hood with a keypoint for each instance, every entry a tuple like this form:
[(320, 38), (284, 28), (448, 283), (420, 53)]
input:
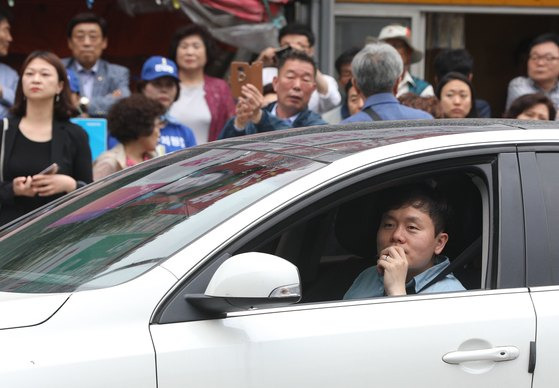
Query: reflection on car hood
[(19, 310)]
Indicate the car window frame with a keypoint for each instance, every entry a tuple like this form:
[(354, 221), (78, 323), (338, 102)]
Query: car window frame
[(489, 158), (539, 272)]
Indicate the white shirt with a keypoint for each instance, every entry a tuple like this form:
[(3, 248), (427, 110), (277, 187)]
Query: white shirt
[(191, 109)]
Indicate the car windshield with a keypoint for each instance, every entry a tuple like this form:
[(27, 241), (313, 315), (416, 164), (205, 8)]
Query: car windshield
[(123, 226)]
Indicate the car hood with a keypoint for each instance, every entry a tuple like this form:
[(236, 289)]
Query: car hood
[(19, 310)]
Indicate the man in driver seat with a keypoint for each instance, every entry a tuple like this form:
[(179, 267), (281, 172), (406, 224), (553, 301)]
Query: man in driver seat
[(410, 239)]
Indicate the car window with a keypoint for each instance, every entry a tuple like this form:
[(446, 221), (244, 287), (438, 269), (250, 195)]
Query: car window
[(332, 246), (129, 225)]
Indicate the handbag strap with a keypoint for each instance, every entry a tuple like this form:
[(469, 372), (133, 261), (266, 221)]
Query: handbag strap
[(4, 129), (373, 114)]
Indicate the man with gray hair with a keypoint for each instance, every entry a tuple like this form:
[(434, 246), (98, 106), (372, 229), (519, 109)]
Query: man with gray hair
[(377, 69)]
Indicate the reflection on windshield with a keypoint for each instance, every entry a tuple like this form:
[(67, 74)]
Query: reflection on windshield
[(135, 222)]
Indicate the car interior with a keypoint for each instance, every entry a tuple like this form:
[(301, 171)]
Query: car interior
[(334, 240)]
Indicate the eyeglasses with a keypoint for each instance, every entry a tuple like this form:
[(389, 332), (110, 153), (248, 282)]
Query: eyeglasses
[(546, 58)]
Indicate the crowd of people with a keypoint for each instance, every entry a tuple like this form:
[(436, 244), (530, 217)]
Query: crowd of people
[(177, 104)]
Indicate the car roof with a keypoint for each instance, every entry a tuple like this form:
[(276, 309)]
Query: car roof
[(328, 143)]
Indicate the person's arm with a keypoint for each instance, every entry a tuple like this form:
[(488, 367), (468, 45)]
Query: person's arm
[(327, 95), (120, 80)]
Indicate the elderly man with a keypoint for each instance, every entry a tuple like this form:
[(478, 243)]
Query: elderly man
[(376, 72), (101, 83), (8, 76), (300, 37), (399, 37), (294, 85), (543, 71)]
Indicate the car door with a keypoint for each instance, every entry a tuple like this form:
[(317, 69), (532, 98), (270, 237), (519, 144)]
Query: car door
[(540, 178), (475, 338)]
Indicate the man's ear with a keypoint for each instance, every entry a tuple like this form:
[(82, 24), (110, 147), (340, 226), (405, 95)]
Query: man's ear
[(105, 42), (440, 241), (275, 83)]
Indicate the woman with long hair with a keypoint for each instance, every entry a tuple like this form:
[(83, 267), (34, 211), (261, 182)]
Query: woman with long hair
[(205, 103), (43, 155)]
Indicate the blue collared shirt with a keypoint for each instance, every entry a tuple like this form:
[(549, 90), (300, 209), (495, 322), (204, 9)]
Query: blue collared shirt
[(87, 78), (8, 80), (370, 284), (388, 108)]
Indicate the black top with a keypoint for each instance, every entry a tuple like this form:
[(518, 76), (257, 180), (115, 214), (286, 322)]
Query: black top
[(28, 158), (69, 148)]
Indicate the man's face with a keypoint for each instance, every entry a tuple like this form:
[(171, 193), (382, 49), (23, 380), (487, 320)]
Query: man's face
[(543, 63), (298, 42), (345, 74), (5, 37), (87, 43), (414, 231), (294, 85), (403, 49)]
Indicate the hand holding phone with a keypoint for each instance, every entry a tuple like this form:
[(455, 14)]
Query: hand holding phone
[(52, 169), (243, 73)]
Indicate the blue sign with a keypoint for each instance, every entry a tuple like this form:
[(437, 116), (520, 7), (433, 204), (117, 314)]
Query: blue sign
[(97, 131)]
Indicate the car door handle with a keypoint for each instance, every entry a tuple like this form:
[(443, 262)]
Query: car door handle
[(501, 353)]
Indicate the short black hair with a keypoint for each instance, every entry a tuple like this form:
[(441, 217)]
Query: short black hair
[(345, 58), (527, 101), (6, 15), (132, 117), (458, 60), (453, 75), (298, 56), (421, 196), (88, 17), (190, 30), (297, 29), (544, 38)]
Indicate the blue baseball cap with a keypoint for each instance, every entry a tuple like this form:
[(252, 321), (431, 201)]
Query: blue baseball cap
[(73, 81), (157, 67)]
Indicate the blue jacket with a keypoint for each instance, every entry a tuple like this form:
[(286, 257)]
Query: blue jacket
[(269, 122), (388, 108), (109, 78)]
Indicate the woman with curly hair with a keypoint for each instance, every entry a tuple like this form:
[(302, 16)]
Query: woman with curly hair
[(135, 122), (42, 154)]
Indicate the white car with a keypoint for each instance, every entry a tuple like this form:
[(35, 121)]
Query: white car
[(225, 265)]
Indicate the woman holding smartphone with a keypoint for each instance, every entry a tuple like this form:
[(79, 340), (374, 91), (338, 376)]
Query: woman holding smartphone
[(42, 155)]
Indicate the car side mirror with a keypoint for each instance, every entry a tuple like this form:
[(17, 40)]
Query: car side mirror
[(249, 281)]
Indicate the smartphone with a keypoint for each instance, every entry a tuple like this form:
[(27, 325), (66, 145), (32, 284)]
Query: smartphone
[(283, 50), (243, 73), (52, 169)]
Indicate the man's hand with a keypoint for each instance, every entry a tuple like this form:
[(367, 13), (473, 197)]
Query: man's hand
[(393, 264), (45, 185), (267, 56), (117, 93), (22, 187), (249, 106)]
